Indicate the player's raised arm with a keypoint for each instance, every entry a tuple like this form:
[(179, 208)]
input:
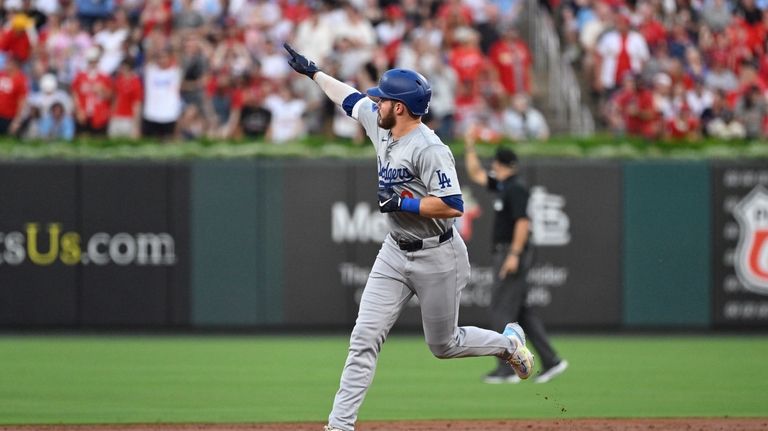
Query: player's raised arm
[(336, 90), (475, 169)]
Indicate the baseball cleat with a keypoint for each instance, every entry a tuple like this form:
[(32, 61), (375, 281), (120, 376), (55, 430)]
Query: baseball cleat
[(521, 359), (551, 372), (330, 428)]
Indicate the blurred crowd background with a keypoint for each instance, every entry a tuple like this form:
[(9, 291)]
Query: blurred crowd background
[(190, 69)]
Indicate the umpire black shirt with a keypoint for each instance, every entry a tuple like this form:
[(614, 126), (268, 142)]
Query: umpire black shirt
[(510, 205)]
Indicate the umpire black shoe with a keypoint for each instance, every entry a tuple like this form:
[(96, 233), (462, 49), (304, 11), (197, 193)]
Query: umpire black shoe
[(551, 372), (501, 375)]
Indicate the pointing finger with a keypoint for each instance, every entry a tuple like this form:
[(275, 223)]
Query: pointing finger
[(290, 49)]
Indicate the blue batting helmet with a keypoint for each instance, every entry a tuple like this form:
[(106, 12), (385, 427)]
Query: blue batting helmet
[(406, 86)]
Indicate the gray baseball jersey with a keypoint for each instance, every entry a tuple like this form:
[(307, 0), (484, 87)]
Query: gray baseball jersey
[(416, 165)]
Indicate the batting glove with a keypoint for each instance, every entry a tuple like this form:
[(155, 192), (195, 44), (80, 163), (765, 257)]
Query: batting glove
[(389, 200), (300, 63)]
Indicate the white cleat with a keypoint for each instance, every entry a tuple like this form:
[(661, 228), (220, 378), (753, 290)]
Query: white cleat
[(330, 428), (521, 359), (551, 373), (497, 377)]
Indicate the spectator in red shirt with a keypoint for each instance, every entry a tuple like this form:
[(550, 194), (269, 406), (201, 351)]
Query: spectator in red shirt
[(650, 27), (467, 58), (762, 64), (454, 13), (512, 59), (679, 75), (617, 108), (13, 92), (734, 43), (226, 95), (684, 126), (92, 91), (19, 37), (642, 116), (157, 14), (468, 105), (126, 110)]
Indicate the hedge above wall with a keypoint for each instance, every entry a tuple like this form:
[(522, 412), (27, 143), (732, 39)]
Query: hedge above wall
[(598, 147)]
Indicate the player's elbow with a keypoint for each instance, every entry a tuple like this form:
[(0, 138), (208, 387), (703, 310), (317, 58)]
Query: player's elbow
[(453, 206)]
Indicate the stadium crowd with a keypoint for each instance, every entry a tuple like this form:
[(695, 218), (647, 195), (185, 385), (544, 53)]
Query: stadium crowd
[(188, 69), (185, 69), (673, 68)]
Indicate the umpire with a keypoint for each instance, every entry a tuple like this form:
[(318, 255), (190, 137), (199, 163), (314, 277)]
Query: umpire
[(512, 257)]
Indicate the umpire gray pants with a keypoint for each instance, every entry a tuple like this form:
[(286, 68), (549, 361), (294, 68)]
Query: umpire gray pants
[(437, 276)]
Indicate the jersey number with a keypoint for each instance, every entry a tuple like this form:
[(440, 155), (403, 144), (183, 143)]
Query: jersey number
[(443, 180)]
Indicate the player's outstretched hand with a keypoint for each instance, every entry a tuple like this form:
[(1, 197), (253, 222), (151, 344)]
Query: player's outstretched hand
[(300, 63), (389, 200)]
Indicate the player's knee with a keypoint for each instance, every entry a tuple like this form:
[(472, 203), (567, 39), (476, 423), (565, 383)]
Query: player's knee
[(365, 340), (443, 351)]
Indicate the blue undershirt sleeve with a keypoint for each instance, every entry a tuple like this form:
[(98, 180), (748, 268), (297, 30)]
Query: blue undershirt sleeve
[(454, 201), (350, 101)]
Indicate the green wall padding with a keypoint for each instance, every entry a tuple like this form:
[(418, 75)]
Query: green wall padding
[(667, 235), (236, 242)]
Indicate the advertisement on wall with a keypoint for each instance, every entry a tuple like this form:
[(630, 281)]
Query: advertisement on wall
[(576, 221), (312, 291), (93, 245), (572, 206), (135, 267), (740, 245), (566, 224), (39, 244)]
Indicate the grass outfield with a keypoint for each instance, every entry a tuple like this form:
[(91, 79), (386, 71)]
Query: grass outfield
[(127, 379)]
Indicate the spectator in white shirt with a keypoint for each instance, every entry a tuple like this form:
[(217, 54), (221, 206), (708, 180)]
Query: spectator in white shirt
[(162, 96), (314, 37), (522, 122), (619, 51), (111, 39), (287, 112), (49, 94), (699, 97), (356, 29), (720, 77)]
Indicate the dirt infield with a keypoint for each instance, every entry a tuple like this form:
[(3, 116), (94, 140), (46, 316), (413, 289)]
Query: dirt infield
[(697, 424)]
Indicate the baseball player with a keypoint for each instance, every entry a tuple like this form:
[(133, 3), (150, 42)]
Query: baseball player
[(512, 257), (422, 255)]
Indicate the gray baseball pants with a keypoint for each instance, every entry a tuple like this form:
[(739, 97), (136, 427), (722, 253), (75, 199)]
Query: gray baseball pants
[(437, 276)]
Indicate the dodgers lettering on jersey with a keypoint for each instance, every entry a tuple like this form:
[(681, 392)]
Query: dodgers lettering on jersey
[(416, 165), (389, 176)]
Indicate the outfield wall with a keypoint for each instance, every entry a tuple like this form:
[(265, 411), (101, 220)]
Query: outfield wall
[(289, 243)]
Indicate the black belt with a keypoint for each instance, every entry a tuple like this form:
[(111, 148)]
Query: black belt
[(419, 244)]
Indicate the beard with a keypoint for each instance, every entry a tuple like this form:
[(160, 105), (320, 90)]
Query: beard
[(386, 122)]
